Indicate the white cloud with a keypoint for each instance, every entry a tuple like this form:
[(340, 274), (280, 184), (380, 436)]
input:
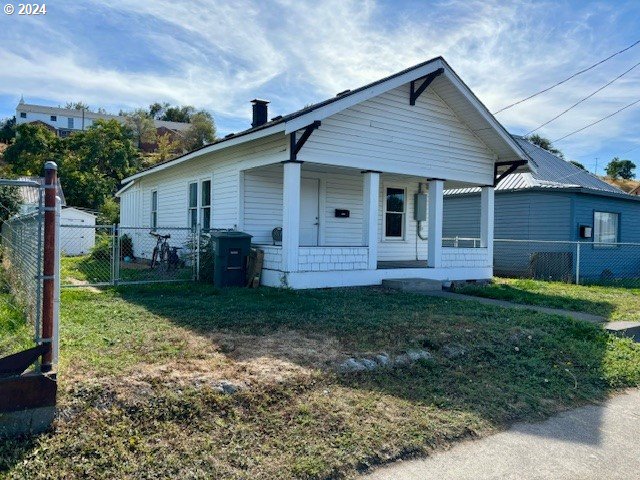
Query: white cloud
[(219, 54)]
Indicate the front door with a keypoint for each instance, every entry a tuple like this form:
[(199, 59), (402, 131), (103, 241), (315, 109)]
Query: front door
[(309, 211)]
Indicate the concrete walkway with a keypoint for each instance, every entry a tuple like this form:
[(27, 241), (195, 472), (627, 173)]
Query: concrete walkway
[(589, 443), (587, 317)]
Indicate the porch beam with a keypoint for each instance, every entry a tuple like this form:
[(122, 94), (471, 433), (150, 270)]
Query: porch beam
[(290, 216), (371, 194), (435, 212), (416, 92), (296, 145), (512, 167), (487, 212)]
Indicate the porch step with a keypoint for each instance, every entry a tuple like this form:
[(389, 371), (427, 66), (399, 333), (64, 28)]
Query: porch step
[(412, 284)]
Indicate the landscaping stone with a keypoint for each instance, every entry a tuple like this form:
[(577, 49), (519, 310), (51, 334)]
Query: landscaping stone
[(369, 364), (415, 355), (352, 365), (383, 359), (228, 387)]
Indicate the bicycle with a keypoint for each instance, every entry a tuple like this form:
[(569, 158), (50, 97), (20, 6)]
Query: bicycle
[(160, 251)]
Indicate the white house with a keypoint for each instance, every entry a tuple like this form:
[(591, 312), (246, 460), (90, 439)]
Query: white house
[(355, 182), (68, 120)]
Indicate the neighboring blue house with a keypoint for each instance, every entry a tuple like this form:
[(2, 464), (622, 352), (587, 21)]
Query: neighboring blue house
[(559, 202)]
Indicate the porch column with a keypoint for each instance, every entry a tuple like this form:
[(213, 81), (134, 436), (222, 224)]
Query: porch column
[(291, 215), (434, 230), (486, 220), (370, 219)]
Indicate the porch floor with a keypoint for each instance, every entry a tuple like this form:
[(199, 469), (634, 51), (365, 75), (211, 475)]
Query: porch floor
[(402, 264)]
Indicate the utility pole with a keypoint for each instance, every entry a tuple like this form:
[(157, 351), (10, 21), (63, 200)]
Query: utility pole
[(596, 165)]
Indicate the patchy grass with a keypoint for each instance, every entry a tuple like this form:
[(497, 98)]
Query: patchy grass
[(15, 333), (140, 365), (612, 302)]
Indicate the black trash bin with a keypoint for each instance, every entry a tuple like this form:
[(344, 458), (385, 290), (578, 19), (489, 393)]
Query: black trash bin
[(230, 251)]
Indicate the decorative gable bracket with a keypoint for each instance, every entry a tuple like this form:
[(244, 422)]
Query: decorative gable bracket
[(415, 93), (295, 146), (512, 166)]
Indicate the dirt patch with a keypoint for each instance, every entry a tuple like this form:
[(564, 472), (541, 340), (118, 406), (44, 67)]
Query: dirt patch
[(80, 283)]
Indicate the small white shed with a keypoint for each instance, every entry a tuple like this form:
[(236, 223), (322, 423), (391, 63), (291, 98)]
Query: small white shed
[(77, 231)]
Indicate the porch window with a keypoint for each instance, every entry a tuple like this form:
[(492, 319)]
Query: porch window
[(605, 228), (205, 208), (193, 204), (154, 210), (395, 208)]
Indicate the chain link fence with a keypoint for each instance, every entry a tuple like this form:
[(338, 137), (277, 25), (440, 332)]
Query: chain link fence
[(571, 262), (21, 243), (100, 255)]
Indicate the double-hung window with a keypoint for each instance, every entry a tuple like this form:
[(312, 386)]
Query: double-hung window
[(193, 204), (605, 228), (199, 200), (205, 204), (394, 213), (154, 209)]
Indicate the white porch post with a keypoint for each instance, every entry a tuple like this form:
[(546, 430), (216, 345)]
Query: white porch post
[(370, 224), (434, 242), (487, 203), (290, 216)]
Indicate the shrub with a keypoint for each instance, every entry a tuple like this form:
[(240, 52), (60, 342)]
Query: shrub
[(103, 248), (126, 247)]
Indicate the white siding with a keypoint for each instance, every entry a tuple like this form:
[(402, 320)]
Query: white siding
[(386, 133)]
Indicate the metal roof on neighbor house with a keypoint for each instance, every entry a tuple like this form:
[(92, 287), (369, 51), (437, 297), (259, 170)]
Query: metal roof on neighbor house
[(550, 172)]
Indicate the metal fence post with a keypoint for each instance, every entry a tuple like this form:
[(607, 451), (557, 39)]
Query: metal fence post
[(48, 270), (577, 263), (55, 344), (116, 256)]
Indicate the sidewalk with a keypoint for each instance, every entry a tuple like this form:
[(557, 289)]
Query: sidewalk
[(589, 443)]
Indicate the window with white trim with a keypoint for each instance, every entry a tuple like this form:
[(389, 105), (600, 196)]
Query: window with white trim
[(193, 204), (205, 204), (154, 209), (605, 227), (394, 213)]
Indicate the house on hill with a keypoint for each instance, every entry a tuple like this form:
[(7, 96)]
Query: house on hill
[(348, 191), (555, 202)]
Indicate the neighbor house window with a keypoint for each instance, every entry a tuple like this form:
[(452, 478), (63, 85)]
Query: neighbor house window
[(70, 122), (205, 205), (605, 227), (23, 114), (154, 209), (394, 213), (54, 118), (193, 204)]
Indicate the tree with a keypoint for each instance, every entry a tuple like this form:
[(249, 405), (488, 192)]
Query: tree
[(620, 169), (77, 106), (181, 114), (577, 164), (9, 202), (156, 110), (142, 126), (201, 132), (96, 161), (545, 143), (109, 212), (8, 130), (34, 145), (166, 147)]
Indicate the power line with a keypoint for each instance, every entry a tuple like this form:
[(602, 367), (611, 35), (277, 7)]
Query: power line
[(582, 100), (597, 121), (567, 79)]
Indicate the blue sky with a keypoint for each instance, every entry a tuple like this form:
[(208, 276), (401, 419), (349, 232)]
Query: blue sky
[(218, 55)]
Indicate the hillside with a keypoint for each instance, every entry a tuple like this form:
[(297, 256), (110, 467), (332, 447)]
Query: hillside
[(626, 185)]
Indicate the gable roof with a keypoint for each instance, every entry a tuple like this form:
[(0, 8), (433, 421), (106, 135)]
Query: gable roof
[(550, 172), (448, 86)]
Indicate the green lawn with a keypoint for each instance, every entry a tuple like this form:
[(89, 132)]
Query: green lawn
[(611, 302), (140, 366)]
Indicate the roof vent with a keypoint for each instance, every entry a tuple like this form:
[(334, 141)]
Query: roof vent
[(229, 135), (260, 112), (276, 118), (339, 94)]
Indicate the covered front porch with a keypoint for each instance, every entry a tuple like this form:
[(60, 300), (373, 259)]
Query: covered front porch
[(346, 227)]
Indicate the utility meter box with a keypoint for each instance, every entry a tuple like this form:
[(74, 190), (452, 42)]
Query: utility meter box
[(230, 253), (420, 207)]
